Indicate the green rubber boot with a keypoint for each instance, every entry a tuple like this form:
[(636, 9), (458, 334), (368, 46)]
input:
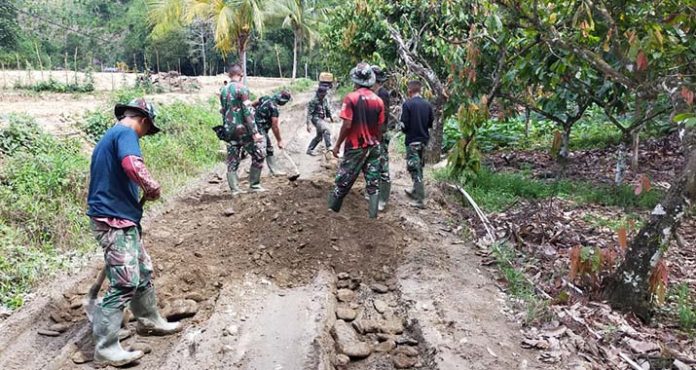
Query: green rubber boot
[(373, 206), (335, 203), (144, 308), (384, 191), (107, 349), (255, 180), (273, 166), (418, 195), (233, 182)]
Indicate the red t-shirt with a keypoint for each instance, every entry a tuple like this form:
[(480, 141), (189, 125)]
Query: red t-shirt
[(365, 110)]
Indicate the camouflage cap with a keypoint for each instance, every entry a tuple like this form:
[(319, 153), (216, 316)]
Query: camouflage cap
[(362, 75), (142, 106), (380, 74)]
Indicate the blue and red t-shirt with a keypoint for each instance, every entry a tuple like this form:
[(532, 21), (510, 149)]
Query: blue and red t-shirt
[(365, 110), (112, 194)]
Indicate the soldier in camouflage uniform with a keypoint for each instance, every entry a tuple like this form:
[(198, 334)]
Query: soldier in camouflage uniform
[(362, 114), (318, 111), (117, 170), (240, 132), (266, 118), (385, 138)]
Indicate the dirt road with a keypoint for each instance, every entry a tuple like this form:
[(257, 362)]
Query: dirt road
[(286, 284), (56, 112)]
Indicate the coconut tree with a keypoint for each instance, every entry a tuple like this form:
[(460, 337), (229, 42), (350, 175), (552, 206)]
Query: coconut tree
[(302, 19), (233, 21)]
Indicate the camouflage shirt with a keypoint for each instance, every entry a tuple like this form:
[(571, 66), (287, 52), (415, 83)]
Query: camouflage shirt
[(234, 110), (318, 109), (265, 112)]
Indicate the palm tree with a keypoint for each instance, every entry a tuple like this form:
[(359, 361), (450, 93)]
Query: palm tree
[(232, 20), (302, 19)]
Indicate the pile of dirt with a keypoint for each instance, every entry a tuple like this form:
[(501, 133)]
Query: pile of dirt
[(172, 80), (286, 233)]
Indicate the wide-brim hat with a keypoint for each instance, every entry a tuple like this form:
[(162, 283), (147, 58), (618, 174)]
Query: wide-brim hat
[(362, 75), (142, 106), (380, 74)]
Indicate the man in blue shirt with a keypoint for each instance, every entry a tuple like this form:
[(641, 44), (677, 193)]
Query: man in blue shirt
[(117, 170)]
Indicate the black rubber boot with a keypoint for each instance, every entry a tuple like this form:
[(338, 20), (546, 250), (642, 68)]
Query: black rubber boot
[(373, 207), (384, 191), (418, 195), (335, 203), (255, 180)]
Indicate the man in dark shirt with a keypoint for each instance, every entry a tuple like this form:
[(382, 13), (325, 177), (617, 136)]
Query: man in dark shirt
[(384, 179), (117, 170), (417, 118), (363, 115)]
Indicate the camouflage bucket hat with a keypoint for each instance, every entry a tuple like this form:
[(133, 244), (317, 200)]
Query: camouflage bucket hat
[(362, 75), (141, 106), (283, 97), (380, 74)]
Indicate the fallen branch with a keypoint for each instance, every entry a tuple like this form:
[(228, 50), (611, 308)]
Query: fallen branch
[(630, 362), (482, 216)]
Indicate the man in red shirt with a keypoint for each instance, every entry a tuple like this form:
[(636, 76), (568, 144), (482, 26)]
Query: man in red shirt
[(362, 114)]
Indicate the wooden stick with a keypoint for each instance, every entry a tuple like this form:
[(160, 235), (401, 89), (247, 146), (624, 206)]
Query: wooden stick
[(66, 67), (75, 65), (630, 362), (38, 57)]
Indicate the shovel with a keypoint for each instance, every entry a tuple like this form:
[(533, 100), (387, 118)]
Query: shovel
[(296, 175), (92, 295)]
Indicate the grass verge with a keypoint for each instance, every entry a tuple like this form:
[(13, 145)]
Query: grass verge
[(43, 187), (518, 286), (496, 191)]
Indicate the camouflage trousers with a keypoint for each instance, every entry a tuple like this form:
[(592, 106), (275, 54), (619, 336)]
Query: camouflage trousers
[(255, 149), (322, 131), (384, 160), (267, 135), (415, 161), (128, 266), (354, 161)]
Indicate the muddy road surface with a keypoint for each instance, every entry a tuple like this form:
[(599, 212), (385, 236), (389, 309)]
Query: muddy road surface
[(285, 284)]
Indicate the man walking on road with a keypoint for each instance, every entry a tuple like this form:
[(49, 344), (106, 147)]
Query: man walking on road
[(266, 118), (318, 111), (417, 118), (362, 114), (240, 132), (384, 139), (116, 171)]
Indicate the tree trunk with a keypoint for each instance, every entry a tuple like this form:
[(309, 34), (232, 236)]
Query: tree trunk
[(280, 69), (620, 164), (635, 153), (527, 118), (203, 53), (434, 149), (564, 152), (421, 68), (629, 288), (294, 56)]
